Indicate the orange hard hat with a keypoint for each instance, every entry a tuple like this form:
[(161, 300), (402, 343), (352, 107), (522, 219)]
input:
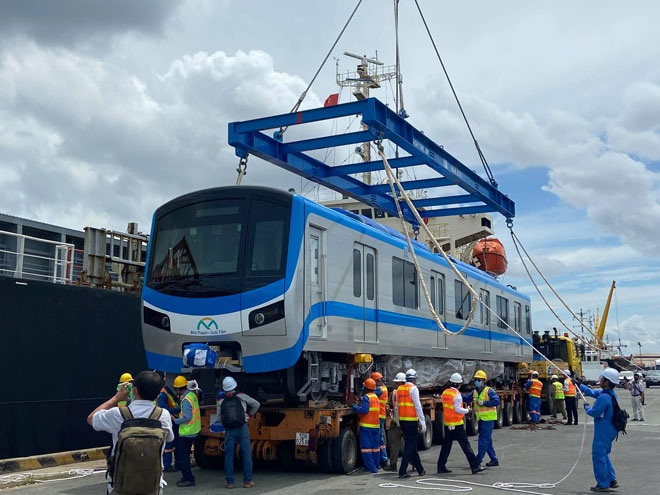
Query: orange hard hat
[(369, 384), (376, 376)]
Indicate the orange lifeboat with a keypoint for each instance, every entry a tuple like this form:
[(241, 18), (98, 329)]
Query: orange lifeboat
[(489, 255)]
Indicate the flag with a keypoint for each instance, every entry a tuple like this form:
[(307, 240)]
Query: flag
[(331, 100)]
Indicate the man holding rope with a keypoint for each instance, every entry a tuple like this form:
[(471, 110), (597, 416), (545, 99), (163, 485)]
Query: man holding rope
[(534, 387)]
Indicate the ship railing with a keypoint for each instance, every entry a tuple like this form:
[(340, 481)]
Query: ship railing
[(41, 259)]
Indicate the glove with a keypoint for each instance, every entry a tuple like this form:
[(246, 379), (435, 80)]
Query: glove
[(586, 406), (423, 430)]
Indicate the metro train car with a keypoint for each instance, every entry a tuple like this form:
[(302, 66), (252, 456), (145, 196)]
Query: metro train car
[(290, 293)]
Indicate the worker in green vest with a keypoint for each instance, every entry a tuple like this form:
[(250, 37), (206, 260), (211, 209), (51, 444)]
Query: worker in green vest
[(190, 424), (559, 404), (126, 378), (485, 403)]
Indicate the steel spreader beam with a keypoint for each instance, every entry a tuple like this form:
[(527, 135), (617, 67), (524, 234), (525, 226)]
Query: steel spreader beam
[(383, 124)]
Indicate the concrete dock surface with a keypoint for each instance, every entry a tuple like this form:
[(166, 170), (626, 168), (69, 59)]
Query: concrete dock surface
[(542, 456)]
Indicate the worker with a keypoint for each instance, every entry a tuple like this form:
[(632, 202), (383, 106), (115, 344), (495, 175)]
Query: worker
[(604, 430), (571, 401), (190, 424), (369, 410), (126, 378), (636, 388), (411, 419), (166, 400), (485, 401), (394, 434), (534, 387), (558, 394), (453, 412), (382, 399)]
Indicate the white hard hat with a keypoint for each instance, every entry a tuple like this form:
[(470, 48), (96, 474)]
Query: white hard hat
[(229, 384), (456, 378), (611, 375), (411, 373), (400, 377), (192, 385), (534, 373), (567, 372), (554, 377)]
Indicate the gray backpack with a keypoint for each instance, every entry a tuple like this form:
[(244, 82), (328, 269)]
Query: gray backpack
[(136, 466)]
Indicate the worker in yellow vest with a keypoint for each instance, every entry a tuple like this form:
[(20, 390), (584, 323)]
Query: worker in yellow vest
[(369, 410), (126, 378), (571, 401), (453, 412), (485, 401), (558, 395), (190, 424), (534, 387), (382, 399)]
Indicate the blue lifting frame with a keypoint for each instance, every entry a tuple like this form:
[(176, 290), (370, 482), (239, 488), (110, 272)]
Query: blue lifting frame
[(383, 123)]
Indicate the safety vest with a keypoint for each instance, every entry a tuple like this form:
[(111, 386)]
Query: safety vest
[(451, 417), (559, 391), (484, 413), (171, 403), (194, 426), (370, 419), (383, 402), (405, 404), (535, 389), (571, 387)]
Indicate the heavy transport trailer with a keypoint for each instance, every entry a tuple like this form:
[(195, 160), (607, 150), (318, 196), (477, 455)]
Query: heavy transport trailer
[(328, 437)]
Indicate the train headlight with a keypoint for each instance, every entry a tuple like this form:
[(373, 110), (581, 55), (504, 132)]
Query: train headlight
[(266, 314), (165, 322), (259, 318), (157, 319)]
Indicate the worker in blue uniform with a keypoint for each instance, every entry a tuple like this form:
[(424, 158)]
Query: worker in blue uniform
[(369, 410), (534, 387), (485, 401), (604, 432), (167, 400)]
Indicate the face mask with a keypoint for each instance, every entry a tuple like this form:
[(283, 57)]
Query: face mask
[(478, 383)]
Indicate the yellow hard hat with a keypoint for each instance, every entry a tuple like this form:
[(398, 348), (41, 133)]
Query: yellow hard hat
[(481, 374), (126, 377), (180, 381)]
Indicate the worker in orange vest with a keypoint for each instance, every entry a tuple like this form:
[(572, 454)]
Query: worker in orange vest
[(453, 412), (534, 387), (382, 399), (571, 401), (369, 410), (411, 419), (394, 434)]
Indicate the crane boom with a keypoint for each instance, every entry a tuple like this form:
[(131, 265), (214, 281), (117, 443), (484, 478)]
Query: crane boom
[(601, 328)]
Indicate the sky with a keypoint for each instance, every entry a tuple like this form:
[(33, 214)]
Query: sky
[(110, 109)]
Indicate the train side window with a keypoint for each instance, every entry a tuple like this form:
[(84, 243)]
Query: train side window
[(433, 300), (528, 319), (484, 313), (357, 273), (502, 311), (517, 317), (438, 292), (462, 300), (404, 284), (371, 276)]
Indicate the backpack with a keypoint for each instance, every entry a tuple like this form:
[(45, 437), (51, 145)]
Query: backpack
[(136, 466), (619, 416), (232, 414)]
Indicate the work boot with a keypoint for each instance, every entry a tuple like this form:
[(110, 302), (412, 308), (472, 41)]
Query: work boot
[(492, 463), (249, 484), (477, 469), (599, 488), (443, 470), (185, 483), (405, 475), (170, 469), (614, 484), (423, 473), (390, 468)]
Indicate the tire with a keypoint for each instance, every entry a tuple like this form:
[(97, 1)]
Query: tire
[(507, 414), (472, 425), (517, 412), (344, 451), (205, 461), (500, 418), (438, 428), (426, 439), (324, 451)]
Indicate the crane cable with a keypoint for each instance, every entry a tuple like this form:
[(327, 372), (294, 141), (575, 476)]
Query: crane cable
[(489, 173)]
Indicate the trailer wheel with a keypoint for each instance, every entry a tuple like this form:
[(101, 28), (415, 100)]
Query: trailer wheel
[(500, 418), (508, 414), (517, 412), (324, 451), (438, 427), (472, 425), (206, 461), (344, 451), (426, 439)]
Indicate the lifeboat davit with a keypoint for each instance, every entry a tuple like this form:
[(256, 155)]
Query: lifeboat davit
[(489, 255)]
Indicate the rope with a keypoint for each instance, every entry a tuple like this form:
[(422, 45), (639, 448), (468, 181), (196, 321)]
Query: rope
[(20, 479), (460, 107), (475, 297), (295, 108)]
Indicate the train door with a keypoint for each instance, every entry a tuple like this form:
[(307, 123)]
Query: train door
[(437, 289), (484, 316), (365, 290), (315, 283), (517, 324)]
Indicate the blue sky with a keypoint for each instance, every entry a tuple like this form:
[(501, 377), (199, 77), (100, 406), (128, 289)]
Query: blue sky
[(110, 112)]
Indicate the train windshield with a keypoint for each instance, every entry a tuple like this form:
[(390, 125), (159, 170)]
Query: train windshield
[(219, 247)]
